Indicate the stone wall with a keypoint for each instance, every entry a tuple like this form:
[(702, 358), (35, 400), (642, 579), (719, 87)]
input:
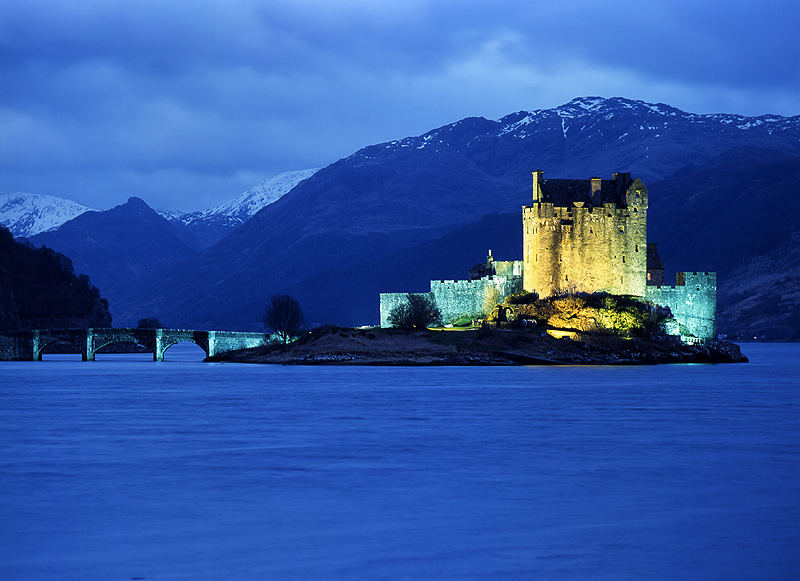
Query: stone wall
[(458, 298), (693, 302), (508, 267), (587, 249)]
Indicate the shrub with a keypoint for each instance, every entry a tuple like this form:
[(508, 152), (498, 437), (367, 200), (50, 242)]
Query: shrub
[(417, 312), (521, 298)]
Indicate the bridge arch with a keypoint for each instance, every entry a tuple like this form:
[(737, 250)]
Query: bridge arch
[(40, 346), (117, 341), (166, 347), (166, 338)]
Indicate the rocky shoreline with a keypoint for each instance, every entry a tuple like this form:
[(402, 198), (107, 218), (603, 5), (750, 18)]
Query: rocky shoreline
[(486, 346)]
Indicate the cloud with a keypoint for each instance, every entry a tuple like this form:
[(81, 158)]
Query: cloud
[(180, 100)]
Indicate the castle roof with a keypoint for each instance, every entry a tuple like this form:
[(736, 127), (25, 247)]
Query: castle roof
[(564, 192)]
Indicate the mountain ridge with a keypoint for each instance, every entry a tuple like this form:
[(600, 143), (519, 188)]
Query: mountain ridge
[(422, 188)]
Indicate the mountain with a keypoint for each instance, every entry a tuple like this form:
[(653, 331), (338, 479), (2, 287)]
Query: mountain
[(210, 226), (30, 214), (761, 298), (41, 290), (382, 216), (117, 247)]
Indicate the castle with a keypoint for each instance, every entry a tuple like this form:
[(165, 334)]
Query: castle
[(581, 236)]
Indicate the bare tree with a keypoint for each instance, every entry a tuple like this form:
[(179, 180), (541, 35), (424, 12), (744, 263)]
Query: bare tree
[(283, 316)]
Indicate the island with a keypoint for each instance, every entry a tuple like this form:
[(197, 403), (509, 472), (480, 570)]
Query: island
[(486, 345)]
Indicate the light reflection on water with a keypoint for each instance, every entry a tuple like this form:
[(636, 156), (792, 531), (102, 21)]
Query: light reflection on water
[(123, 468)]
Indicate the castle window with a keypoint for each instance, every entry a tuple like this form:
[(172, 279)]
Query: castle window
[(649, 276), (637, 248), (623, 260)]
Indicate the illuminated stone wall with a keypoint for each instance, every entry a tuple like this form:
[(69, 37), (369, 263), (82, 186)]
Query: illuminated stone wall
[(693, 302), (584, 248), (457, 298)]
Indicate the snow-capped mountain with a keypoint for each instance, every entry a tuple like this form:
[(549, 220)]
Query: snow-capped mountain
[(211, 225), (244, 206), (27, 214), (617, 117), (221, 219), (429, 206)]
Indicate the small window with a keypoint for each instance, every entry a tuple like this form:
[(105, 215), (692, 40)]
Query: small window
[(649, 276), (637, 248), (623, 260)]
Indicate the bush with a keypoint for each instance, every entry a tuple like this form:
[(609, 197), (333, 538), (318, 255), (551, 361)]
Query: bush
[(597, 312), (417, 312), (521, 298)]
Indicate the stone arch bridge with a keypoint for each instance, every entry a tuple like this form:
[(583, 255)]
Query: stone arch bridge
[(29, 345)]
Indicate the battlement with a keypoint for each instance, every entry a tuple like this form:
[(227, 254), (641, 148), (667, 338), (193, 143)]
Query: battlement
[(621, 190)]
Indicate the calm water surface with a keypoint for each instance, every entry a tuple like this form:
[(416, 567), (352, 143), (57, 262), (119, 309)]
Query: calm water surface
[(127, 469)]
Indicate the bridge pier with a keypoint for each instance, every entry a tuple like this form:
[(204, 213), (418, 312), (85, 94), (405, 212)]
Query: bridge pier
[(158, 346), (36, 351), (212, 339), (88, 346)]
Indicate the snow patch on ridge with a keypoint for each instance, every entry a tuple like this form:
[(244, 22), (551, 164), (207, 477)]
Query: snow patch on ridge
[(26, 214), (247, 204)]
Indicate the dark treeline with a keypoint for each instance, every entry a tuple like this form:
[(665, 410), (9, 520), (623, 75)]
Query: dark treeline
[(39, 289)]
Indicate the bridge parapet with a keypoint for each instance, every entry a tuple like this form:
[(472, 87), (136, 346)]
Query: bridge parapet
[(29, 345)]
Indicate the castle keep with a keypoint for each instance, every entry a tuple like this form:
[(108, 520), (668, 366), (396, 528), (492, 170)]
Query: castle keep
[(585, 236), (581, 235)]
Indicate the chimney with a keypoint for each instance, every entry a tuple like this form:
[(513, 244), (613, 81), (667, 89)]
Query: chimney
[(623, 179), (538, 178), (596, 196)]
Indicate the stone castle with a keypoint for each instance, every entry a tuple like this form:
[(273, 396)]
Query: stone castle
[(581, 236)]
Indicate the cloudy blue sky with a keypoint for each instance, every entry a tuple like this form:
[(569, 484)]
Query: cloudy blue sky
[(187, 104)]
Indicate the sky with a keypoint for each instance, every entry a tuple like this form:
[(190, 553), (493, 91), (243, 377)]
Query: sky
[(187, 104)]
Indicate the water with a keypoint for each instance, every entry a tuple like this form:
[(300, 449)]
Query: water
[(128, 469)]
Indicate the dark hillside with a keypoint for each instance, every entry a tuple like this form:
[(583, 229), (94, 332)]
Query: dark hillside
[(41, 290)]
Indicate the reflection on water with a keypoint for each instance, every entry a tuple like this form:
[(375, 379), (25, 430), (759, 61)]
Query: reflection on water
[(177, 352), (124, 468)]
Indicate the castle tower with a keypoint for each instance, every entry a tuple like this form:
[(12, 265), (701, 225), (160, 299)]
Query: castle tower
[(586, 235)]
